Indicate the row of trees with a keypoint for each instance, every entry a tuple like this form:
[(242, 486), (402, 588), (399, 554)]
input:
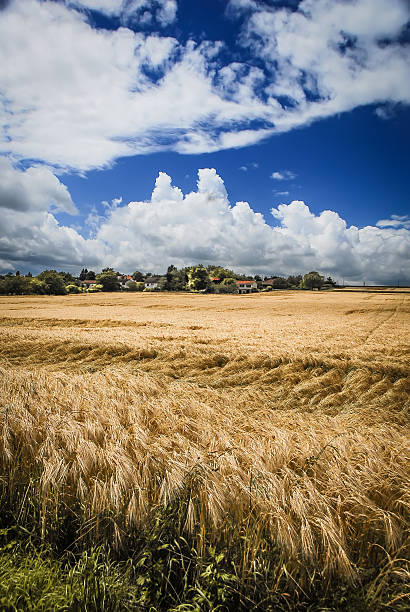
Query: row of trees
[(210, 279)]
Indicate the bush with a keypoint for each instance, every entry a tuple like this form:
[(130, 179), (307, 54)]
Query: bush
[(73, 289), (95, 288)]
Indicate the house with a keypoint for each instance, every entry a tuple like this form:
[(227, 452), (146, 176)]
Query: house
[(215, 280), (268, 282), (87, 283), (123, 280), (152, 282), (246, 286)]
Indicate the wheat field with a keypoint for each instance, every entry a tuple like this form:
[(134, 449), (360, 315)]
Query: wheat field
[(274, 425)]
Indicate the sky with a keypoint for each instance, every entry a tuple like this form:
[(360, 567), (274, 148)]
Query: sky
[(267, 136)]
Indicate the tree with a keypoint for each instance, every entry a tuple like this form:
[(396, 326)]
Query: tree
[(90, 275), (83, 274), (228, 285), (53, 282), (15, 285), (295, 280), (67, 277), (176, 280), (131, 286), (39, 287), (280, 283), (198, 278), (108, 280), (313, 280), (138, 276)]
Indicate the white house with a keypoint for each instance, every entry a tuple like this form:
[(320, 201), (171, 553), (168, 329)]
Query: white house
[(246, 286), (152, 282)]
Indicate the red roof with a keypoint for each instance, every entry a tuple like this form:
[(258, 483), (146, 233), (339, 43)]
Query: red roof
[(89, 282), (244, 282), (214, 279)]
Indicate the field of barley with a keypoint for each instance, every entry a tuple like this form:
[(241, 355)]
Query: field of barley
[(247, 452)]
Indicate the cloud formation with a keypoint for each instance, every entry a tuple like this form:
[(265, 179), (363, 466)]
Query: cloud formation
[(162, 11), (79, 97), (201, 226), (283, 175), (30, 235)]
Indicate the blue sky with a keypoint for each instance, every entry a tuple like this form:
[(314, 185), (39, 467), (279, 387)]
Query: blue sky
[(298, 111)]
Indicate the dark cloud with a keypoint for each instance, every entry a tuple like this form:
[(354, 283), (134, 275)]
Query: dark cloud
[(4, 4)]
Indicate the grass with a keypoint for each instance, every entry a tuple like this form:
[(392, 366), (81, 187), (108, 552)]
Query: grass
[(214, 452)]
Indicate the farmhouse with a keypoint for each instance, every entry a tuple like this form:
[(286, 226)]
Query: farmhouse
[(87, 283), (246, 286), (123, 280), (152, 282)]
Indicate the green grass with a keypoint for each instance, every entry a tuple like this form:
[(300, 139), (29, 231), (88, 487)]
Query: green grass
[(163, 571)]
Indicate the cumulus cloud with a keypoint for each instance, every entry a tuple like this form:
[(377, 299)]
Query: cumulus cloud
[(32, 189), (30, 234), (80, 97), (200, 226)]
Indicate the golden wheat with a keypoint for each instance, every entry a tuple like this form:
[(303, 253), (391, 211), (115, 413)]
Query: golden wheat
[(284, 414)]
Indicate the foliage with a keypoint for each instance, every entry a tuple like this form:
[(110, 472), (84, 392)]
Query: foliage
[(108, 279), (32, 580), (73, 289), (176, 280), (131, 286), (38, 287), (228, 285), (53, 281), (280, 283), (67, 277), (95, 288), (313, 280), (138, 276), (222, 273), (198, 278), (294, 281), (15, 285)]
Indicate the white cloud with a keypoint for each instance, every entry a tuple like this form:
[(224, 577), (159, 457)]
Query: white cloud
[(109, 7), (30, 235), (79, 97), (164, 11), (326, 57), (283, 175), (36, 188), (395, 221), (201, 226)]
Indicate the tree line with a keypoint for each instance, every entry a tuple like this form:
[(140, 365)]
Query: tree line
[(199, 278)]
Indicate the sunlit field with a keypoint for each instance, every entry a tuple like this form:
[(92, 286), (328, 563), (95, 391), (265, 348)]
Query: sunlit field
[(246, 451)]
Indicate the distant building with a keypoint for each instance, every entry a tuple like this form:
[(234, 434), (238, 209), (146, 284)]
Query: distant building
[(124, 280), (152, 282), (87, 283), (246, 286)]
